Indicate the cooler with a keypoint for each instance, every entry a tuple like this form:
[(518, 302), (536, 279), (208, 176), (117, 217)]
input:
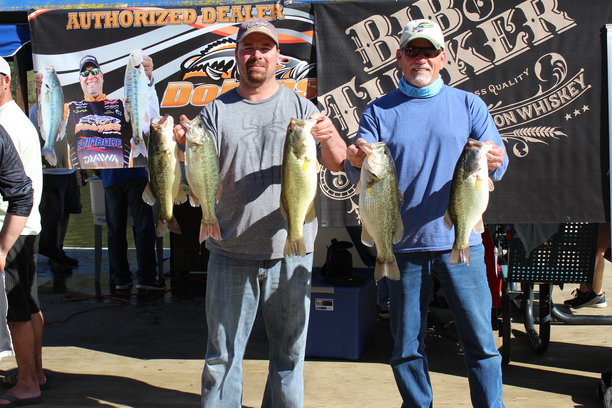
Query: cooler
[(342, 318)]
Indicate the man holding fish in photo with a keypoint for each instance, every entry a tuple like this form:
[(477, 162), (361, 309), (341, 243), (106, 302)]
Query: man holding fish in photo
[(445, 146), (254, 262), (101, 134)]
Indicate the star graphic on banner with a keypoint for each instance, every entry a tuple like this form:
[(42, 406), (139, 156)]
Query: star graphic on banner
[(576, 113), (585, 108), (568, 116)]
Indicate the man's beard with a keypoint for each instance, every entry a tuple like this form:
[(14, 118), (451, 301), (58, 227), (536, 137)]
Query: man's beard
[(256, 77)]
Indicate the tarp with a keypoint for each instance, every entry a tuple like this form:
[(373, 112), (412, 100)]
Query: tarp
[(12, 37)]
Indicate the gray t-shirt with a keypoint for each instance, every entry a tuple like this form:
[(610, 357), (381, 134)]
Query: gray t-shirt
[(250, 138)]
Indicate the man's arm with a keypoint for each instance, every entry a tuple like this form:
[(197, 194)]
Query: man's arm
[(11, 229), (333, 148)]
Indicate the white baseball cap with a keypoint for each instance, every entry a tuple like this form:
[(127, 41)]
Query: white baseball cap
[(422, 28), (4, 67)]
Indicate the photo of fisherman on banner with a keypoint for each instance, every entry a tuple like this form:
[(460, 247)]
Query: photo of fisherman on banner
[(98, 131)]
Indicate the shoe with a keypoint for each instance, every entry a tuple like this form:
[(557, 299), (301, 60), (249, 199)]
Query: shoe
[(155, 285), (59, 267), (586, 299), (124, 286), (383, 313), (70, 261)]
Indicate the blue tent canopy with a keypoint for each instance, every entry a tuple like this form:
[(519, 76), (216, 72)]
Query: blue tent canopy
[(13, 37)]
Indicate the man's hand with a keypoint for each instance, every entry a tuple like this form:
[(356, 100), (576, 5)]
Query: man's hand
[(324, 129), (147, 64), (180, 130), (354, 154), (495, 157)]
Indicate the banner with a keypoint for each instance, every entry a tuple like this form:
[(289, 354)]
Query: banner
[(193, 56), (537, 65)]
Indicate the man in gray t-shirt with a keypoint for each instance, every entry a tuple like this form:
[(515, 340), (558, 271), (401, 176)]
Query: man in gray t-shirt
[(247, 266)]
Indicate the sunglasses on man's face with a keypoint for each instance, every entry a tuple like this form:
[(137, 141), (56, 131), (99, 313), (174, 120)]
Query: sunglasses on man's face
[(86, 73), (428, 52)]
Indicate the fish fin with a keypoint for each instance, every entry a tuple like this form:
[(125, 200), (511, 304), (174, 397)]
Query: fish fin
[(310, 215), (193, 200), (366, 238), (181, 197), (62, 133), (49, 154), (491, 186), (283, 210), (161, 228), (180, 155), (147, 195), (128, 117), (318, 165), (294, 247), (173, 225), (218, 195), (447, 220), (387, 269), (399, 230), (479, 227), (460, 255), (138, 149), (209, 230), (358, 187)]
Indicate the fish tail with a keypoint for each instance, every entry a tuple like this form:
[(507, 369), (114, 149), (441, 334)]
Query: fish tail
[(49, 154), (460, 255), (295, 247), (387, 269), (209, 230), (174, 226), (138, 149)]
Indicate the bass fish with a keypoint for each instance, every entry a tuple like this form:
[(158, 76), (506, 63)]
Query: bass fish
[(379, 208), (469, 197), (299, 183), (136, 86), (51, 113), (164, 170), (202, 173)]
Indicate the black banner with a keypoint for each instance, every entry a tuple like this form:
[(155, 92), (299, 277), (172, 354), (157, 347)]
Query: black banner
[(192, 48), (537, 65)]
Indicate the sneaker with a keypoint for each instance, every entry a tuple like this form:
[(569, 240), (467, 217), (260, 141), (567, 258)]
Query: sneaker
[(586, 299), (155, 285), (124, 286)]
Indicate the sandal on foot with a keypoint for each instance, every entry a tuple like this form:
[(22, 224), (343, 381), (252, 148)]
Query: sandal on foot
[(15, 401)]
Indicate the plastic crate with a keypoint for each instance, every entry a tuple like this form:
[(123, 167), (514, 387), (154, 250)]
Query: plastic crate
[(567, 257)]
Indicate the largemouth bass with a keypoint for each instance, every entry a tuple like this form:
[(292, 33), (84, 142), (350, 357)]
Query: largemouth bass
[(469, 197), (379, 208), (51, 113), (299, 183), (164, 170), (202, 173), (136, 86)]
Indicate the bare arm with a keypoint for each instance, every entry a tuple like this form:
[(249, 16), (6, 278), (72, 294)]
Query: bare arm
[(333, 148), (11, 229)]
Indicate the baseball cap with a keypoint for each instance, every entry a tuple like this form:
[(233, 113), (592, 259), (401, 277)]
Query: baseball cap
[(4, 67), (88, 60), (257, 25), (422, 28)]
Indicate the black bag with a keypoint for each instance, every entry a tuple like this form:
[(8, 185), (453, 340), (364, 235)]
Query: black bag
[(338, 267)]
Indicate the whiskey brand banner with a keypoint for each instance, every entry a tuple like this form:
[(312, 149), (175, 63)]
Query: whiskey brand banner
[(193, 56), (538, 65)]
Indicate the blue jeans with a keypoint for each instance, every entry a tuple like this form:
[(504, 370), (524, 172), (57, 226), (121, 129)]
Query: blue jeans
[(469, 298), (117, 199), (234, 290)]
